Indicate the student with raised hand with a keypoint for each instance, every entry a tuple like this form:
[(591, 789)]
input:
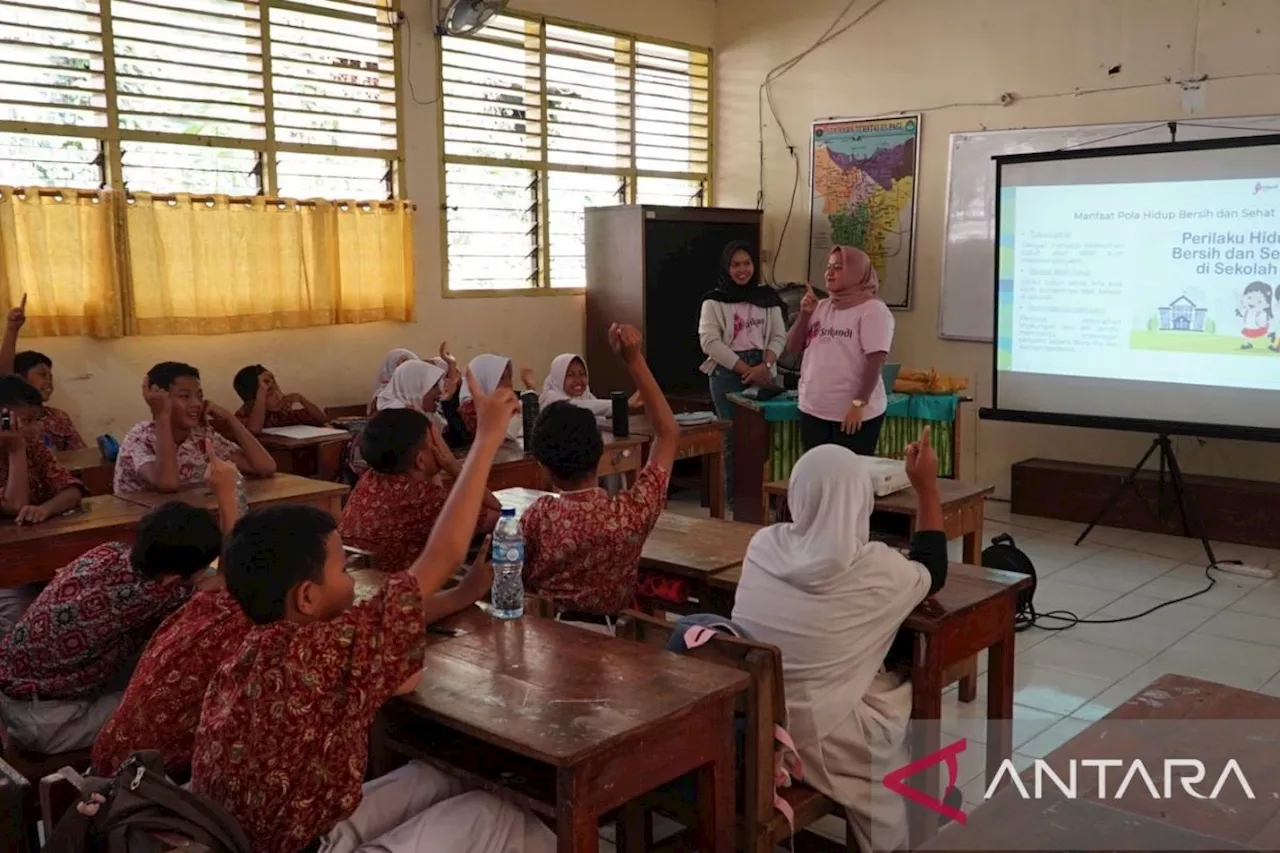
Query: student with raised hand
[(845, 340), (265, 406), (51, 427), (283, 737), (582, 549), (832, 601), (34, 486), (569, 381), (166, 453), (65, 665)]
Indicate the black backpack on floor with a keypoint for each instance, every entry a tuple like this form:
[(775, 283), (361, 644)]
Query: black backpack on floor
[(1006, 556)]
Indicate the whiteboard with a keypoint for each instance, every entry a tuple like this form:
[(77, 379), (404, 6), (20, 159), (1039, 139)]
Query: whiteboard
[(968, 278)]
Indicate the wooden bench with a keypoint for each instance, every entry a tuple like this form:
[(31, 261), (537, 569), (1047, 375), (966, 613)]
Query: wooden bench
[(760, 827), (29, 767)]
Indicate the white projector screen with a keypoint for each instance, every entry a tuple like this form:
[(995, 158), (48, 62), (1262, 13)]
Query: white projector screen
[(1139, 288)]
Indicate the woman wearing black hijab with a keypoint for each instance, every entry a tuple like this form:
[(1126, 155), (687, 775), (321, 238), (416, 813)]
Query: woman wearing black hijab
[(742, 331)]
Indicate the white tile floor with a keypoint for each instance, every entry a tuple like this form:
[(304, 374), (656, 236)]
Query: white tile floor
[(1065, 680)]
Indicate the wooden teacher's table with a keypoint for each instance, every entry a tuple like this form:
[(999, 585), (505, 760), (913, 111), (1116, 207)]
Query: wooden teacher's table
[(571, 724), (280, 489), (705, 441), (31, 553)]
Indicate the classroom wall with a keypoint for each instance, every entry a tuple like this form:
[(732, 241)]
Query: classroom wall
[(99, 381), (951, 60)]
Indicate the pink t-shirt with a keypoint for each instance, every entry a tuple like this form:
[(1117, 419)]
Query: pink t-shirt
[(835, 356), (748, 327)]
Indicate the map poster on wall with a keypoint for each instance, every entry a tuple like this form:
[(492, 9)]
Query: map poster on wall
[(863, 177)]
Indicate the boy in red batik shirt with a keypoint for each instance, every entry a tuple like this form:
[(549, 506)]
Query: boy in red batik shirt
[(283, 737), (161, 705), (266, 406), (34, 486), (65, 664), (394, 507), (52, 427), (582, 549)]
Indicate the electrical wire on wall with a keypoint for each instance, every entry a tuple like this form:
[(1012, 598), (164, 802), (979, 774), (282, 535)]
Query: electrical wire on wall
[(765, 95), (408, 52)]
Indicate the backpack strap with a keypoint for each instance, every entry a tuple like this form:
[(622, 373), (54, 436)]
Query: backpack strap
[(786, 768)]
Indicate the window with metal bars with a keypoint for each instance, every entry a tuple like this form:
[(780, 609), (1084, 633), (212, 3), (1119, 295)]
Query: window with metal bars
[(293, 98), (543, 120)]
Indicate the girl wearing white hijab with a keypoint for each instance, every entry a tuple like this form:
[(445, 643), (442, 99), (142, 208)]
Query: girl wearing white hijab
[(491, 372), (394, 359), (832, 600), (414, 385), (569, 380)]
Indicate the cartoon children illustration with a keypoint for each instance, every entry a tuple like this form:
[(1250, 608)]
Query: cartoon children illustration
[(1255, 312)]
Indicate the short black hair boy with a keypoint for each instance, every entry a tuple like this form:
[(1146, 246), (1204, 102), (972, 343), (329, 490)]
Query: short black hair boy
[(567, 442), (164, 374), (176, 538), (246, 382), (392, 437), (27, 360), (271, 551)]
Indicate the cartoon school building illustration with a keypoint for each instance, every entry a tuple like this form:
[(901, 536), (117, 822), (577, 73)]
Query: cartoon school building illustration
[(1182, 315)]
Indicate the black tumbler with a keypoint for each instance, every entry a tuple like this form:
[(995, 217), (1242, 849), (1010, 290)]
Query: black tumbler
[(621, 414), (529, 411)]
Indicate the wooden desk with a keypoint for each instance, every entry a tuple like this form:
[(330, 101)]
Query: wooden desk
[(1173, 717), (963, 507), (96, 473), (515, 469), (694, 547), (705, 441), (679, 545), (972, 612), (572, 724), (280, 489), (32, 553), (320, 458)]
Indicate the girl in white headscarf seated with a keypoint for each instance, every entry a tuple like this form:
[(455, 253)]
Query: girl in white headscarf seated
[(394, 359), (491, 372), (569, 380), (832, 600), (414, 385)]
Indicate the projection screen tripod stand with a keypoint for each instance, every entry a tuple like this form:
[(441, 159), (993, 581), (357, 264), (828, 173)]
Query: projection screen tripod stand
[(1169, 468)]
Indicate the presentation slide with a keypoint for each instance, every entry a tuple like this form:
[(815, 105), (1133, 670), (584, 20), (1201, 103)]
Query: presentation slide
[(1142, 286)]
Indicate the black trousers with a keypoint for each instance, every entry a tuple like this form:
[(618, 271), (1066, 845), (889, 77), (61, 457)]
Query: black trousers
[(815, 432)]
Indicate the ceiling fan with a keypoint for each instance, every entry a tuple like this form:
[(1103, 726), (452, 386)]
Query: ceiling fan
[(463, 17)]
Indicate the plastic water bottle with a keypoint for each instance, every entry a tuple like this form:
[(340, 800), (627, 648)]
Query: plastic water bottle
[(242, 495), (507, 599)]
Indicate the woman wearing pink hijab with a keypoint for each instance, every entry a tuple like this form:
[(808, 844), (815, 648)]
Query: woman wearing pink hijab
[(845, 340)]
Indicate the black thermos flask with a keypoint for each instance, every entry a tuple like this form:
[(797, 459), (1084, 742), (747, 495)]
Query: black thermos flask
[(529, 412), (621, 414)]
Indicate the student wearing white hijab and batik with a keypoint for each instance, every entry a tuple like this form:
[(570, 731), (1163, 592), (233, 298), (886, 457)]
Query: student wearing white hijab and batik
[(568, 380), (394, 359), (414, 385), (491, 372), (832, 601)]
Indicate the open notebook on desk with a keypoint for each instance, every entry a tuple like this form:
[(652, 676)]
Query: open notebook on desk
[(302, 432)]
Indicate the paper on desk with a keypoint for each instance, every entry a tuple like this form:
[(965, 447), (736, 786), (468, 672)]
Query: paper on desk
[(304, 432)]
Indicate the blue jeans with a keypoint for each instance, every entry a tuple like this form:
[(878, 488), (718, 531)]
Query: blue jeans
[(723, 383)]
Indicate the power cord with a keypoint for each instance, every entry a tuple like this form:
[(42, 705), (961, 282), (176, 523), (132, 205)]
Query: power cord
[(408, 56), (1072, 620)]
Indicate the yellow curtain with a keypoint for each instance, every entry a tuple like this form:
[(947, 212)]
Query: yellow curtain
[(58, 248), (214, 265)]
